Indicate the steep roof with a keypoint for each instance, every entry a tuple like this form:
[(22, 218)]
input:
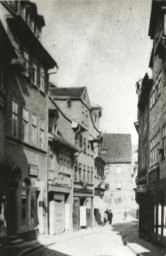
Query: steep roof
[(116, 148), (72, 92)]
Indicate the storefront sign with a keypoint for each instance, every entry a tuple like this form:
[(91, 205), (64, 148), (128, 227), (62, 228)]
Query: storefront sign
[(33, 170)]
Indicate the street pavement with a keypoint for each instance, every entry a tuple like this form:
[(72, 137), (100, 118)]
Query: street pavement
[(103, 242), (119, 239)]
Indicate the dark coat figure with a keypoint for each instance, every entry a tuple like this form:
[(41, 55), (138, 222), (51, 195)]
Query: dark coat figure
[(125, 215), (110, 216), (106, 218)]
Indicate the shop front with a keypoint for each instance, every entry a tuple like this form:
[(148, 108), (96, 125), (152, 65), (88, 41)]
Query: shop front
[(59, 212), (82, 208), (22, 206), (4, 177), (158, 212), (143, 210)]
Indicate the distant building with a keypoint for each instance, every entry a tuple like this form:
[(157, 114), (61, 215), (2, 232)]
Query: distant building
[(116, 151)]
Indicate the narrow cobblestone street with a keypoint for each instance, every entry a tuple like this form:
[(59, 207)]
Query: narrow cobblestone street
[(104, 241), (120, 239)]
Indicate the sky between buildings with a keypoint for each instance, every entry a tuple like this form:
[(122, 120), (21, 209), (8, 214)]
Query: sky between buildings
[(103, 45)]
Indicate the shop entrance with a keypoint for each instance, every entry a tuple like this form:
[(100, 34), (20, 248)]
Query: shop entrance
[(76, 214), (56, 213)]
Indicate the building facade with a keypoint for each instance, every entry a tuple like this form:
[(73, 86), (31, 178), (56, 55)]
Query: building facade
[(157, 120), (26, 125), (75, 103), (155, 216), (142, 126), (61, 156), (116, 151)]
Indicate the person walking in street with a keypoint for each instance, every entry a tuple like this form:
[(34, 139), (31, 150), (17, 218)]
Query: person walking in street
[(106, 218), (110, 216), (125, 215)]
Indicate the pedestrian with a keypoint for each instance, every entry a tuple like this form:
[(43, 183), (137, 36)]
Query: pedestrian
[(106, 218), (125, 215), (110, 216)]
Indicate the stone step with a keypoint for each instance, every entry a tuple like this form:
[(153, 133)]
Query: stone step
[(16, 241)]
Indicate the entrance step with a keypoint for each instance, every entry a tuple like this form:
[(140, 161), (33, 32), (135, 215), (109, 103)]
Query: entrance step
[(14, 240)]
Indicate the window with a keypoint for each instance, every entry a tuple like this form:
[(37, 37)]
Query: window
[(118, 170), (75, 172), (80, 172), (26, 58), (68, 161), (91, 174), (84, 173), (84, 145), (60, 158), (164, 220), (51, 162), (76, 139), (164, 141), (88, 174), (34, 130), (89, 148), (42, 134), (34, 74), (24, 205), (118, 186), (32, 24), (14, 119), (154, 156), (157, 88), (25, 125), (32, 207), (80, 141), (42, 79), (24, 201)]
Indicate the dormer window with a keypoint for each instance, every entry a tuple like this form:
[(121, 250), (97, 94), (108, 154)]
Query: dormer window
[(42, 79), (23, 12), (32, 24), (38, 32), (34, 73), (26, 58)]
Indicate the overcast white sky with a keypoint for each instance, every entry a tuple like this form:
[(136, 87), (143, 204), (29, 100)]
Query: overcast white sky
[(103, 45)]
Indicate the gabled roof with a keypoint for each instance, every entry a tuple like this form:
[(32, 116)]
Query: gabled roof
[(156, 12), (72, 92), (116, 148)]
